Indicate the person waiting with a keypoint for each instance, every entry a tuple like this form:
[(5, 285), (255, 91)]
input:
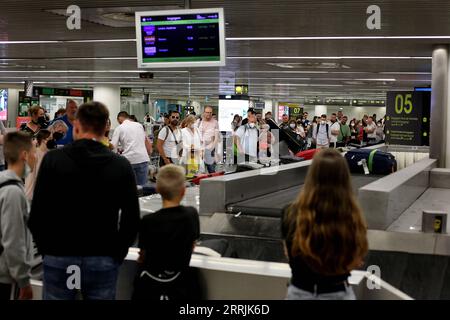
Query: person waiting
[(236, 123), (58, 129), (166, 240), (15, 239), (131, 137), (322, 133), (68, 118), (59, 113), (324, 232), (335, 127), (371, 130), (344, 133), (42, 138), (284, 124), (266, 141), (209, 133), (170, 141), (191, 157), (246, 140), (91, 222), (2, 138), (37, 122)]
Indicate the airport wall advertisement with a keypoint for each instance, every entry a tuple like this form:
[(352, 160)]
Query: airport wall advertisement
[(408, 118)]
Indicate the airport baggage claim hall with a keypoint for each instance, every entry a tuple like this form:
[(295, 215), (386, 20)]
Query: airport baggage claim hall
[(224, 150)]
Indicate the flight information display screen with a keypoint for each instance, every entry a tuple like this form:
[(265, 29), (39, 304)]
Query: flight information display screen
[(180, 38)]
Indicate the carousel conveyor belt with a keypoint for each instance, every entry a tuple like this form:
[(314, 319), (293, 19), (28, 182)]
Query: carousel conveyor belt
[(270, 205)]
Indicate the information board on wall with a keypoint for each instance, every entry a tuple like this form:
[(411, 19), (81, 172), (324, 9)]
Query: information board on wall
[(180, 38), (294, 110), (408, 118)]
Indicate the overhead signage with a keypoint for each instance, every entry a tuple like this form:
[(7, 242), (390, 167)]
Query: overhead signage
[(125, 92), (368, 103), (408, 118), (44, 91), (337, 102), (315, 101)]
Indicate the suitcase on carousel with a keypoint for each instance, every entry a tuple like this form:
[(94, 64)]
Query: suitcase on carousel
[(307, 154), (377, 162)]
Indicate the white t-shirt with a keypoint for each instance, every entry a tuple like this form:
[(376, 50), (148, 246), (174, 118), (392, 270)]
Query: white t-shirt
[(170, 143), (334, 126), (131, 137), (372, 126), (208, 131), (249, 139)]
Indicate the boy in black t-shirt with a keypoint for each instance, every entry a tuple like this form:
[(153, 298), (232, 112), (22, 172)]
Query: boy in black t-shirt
[(166, 241)]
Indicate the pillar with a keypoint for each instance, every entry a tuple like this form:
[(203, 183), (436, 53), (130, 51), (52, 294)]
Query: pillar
[(109, 95), (439, 125)]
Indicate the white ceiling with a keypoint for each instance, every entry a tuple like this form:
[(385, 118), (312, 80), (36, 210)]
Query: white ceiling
[(273, 68)]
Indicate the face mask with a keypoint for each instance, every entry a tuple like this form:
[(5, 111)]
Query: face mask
[(252, 125), (192, 126), (41, 121), (26, 171), (57, 135), (51, 144), (323, 122), (292, 125)]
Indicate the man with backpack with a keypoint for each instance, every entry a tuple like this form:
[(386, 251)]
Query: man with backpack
[(322, 133), (169, 141), (15, 238), (247, 140)]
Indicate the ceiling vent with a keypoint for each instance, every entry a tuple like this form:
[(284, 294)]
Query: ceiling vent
[(118, 17)]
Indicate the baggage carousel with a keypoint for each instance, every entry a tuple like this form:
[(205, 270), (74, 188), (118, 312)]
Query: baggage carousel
[(271, 204)]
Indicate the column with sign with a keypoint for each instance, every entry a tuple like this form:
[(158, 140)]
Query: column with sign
[(407, 118)]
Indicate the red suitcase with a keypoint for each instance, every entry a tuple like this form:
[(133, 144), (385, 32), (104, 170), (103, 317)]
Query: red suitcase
[(307, 154), (200, 177)]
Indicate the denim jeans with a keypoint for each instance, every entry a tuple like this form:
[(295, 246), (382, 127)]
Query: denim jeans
[(98, 278), (295, 293), (141, 173)]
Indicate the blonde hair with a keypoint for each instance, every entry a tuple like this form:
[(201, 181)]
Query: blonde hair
[(170, 181), (188, 121), (326, 222), (34, 110)]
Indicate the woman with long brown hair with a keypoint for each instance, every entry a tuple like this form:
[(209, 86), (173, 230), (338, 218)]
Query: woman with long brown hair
[(324, 231)]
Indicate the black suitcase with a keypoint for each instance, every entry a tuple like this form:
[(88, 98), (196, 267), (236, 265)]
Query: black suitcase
[(377, 162)]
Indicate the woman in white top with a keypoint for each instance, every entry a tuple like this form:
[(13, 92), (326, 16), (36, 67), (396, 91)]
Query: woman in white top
[(192, 155)]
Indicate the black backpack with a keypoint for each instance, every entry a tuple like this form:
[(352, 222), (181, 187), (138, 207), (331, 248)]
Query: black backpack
[(317, 130)]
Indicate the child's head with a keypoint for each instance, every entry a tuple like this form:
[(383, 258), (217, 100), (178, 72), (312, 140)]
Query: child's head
[(171, 183), (19, 149)]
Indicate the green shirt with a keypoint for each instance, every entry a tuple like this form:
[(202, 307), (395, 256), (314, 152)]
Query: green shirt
[(344, 133)]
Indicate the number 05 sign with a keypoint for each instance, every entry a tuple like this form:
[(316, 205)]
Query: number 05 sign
[(408, 118)]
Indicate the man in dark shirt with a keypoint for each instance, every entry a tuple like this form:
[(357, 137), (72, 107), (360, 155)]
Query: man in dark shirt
[(166, 241), (86, 227)]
